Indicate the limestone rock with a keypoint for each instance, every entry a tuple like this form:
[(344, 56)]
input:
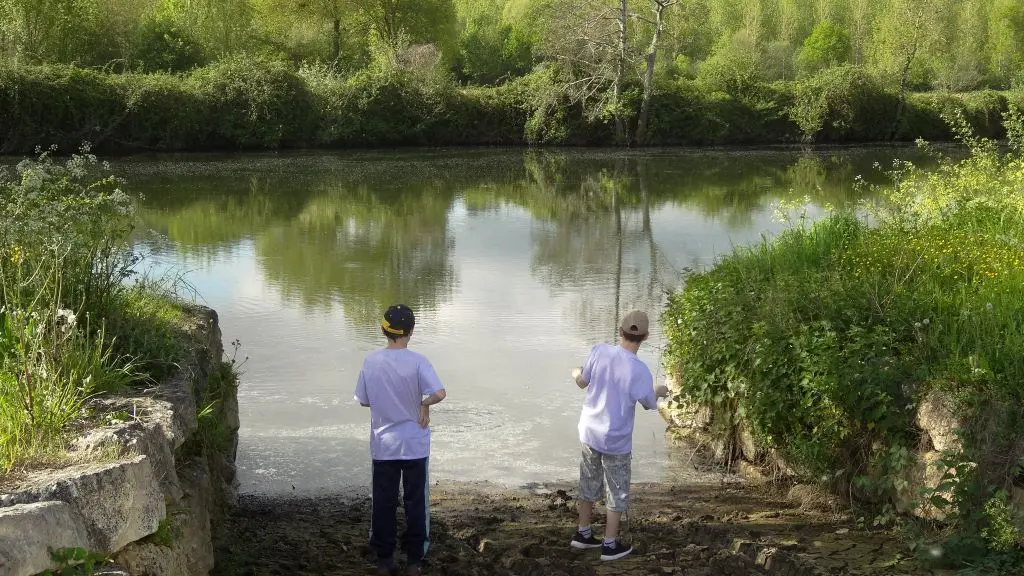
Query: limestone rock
[(118, 503), (923, 477), (150, 436), (747, 446), (191, 549), (937, 417), (28, 531)]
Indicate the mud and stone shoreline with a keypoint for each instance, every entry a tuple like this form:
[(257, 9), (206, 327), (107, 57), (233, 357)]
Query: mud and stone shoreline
[(481, 529)]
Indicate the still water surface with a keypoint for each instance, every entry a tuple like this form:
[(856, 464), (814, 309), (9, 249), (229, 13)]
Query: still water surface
[(516, 263)]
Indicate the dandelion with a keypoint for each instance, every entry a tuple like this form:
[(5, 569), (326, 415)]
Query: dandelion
[(988, 306), (926, 321)]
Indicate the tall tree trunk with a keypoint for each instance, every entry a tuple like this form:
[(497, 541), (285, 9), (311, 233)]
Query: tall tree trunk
[(659, 7), (620, 69), (336, 41)]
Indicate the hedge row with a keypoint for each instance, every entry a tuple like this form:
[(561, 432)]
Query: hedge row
[(249, 104)]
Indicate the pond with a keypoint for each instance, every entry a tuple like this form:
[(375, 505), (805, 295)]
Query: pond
[(515, 261)]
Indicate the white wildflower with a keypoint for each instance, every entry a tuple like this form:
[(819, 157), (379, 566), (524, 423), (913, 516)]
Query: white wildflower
[(66, 319)]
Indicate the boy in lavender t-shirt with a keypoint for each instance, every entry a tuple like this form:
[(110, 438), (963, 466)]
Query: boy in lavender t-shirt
[(614, 380), (399, 386)]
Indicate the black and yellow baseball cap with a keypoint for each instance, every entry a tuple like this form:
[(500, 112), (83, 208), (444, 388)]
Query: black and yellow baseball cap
[(398, 320)]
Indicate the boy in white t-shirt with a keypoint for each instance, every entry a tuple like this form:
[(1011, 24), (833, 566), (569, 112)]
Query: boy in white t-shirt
[(398, 386), (614, 380)]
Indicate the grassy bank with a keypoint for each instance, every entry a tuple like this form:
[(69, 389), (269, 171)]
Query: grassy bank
[(824, 340), (242, 103), (73, 323)]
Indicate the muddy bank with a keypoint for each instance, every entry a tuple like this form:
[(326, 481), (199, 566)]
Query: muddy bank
[(728, 529)]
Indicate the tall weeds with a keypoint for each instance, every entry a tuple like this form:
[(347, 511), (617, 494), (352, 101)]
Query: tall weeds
[(64, 262)]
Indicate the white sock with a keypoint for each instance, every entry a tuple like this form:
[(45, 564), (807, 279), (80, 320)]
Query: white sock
[(585, 531)]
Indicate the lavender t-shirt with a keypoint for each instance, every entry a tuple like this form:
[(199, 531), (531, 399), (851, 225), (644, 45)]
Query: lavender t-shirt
[(617, 381), (393, 383)]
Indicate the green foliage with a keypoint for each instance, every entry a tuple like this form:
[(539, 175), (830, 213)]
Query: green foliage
[(407, 98), (254, 104), (843, 104), (71, 325), (75, 562), (165, 534), (825, 339), (827, 46), (213, 433), (164, 47)]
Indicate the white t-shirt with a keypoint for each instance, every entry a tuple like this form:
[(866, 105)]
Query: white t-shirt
[(617, 381), (393, 382)]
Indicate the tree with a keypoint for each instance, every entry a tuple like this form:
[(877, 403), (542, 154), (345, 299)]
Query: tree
[(414, 21), (826, 47), (900, 40), (658, 7), (1006, 42), (588, 40), (321, 14)]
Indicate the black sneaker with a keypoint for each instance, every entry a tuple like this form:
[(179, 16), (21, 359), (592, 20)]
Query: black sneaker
[(615, 550), (581, 542), (387, 566), (413, 570)]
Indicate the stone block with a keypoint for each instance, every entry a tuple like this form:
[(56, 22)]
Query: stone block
[(936, 416), (149, 436), (29, 531), (191, 548), (118, 502)]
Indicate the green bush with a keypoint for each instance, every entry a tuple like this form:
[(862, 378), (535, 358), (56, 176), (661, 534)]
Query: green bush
[(926, 114), (254, 104), (824, 340), (60, 105), (163, 47), (162, 112), (844, 104)]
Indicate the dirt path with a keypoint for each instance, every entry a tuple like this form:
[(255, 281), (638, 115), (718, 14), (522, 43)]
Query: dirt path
[(729, 530)]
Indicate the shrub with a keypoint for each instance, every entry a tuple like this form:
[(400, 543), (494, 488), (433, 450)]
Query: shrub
[(164, 47), (60, 105), (824, 340), (254, 104), (843, 104)]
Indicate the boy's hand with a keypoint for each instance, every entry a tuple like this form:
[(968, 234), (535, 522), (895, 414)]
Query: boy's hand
[(661, 391), (424, 416)]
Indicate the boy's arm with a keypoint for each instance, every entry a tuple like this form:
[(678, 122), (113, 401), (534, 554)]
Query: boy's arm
[(431, 387), (651, 394), (361, 396), (583, 374)]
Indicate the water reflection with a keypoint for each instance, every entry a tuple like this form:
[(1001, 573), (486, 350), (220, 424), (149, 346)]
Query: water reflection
[(517, 262)]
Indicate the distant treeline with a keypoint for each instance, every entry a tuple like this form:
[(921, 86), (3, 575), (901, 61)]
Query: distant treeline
[(245, 103)]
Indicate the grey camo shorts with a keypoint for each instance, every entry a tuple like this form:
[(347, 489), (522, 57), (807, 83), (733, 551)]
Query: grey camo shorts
[(607, 472)]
